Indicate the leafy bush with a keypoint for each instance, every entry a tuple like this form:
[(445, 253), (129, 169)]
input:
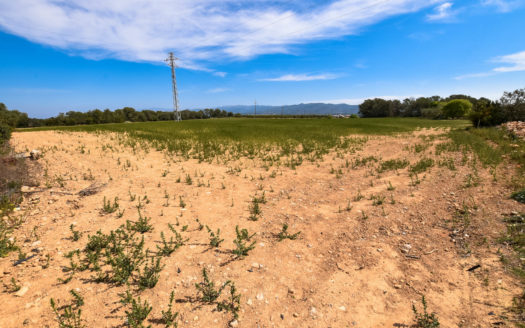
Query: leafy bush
[(5, 133), (487, 113), (457, 108)]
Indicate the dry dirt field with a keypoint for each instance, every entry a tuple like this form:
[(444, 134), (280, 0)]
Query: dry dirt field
[(371, 241)]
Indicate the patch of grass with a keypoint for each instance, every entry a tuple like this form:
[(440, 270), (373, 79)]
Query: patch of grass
[(491, 146), (393, 164), (266, 139), (422, 165), (515, 239)]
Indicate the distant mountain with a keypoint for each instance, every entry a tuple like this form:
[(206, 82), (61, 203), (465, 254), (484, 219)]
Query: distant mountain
[(300, 109)]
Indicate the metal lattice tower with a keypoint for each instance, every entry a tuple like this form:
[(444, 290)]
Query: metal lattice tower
[(171, 61)]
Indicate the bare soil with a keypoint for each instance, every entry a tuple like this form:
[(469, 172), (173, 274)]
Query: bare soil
[(363, 267)]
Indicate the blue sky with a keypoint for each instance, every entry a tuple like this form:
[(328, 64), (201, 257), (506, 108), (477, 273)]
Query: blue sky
[(60, 55)]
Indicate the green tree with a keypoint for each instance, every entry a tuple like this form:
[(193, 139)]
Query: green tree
[(514, 105), (457, 108)]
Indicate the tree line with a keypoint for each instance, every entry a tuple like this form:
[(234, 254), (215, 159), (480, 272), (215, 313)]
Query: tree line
[(17, 119), (481, 111)]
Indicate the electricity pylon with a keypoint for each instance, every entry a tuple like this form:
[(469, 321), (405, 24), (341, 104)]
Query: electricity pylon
[(171, 61)]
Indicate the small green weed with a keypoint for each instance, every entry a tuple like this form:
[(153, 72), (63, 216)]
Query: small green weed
[(241, 242), (424, 319), (285, 235)]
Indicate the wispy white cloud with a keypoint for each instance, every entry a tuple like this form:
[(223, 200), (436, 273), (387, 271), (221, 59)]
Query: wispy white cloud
[(502, 5), (218, 90), (514, 63), (220, 74), (200, 32), (443, 12), (300, 77), (474, 75)]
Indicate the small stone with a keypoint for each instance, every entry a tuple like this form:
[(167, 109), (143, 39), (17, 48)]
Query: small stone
[(260, 296), (255, 265), (22, 291), (342, 308), (397, 286), (249, 301), (295, 315), (234, 323)]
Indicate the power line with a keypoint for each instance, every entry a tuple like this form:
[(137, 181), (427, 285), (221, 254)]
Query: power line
[(171, 61)]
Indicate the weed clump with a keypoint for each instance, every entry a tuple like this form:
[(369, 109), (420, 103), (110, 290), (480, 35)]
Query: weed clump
[(424, 319), (138, 313), (141, 226), (208, 292), (169, 318), (285, 235), (241, 242), (393, 164), (422, 165), (149, 276), (519, 196), (215, 239), (7, 243), (69, 316), (108, 207)]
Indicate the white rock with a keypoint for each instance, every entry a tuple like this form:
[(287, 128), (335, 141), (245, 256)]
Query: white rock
[(22, 291), (260, 296)]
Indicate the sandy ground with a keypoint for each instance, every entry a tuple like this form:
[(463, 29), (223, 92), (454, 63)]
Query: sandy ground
[(342, 271)]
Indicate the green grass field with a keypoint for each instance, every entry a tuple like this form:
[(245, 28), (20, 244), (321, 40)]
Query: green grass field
[(267, 139)]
